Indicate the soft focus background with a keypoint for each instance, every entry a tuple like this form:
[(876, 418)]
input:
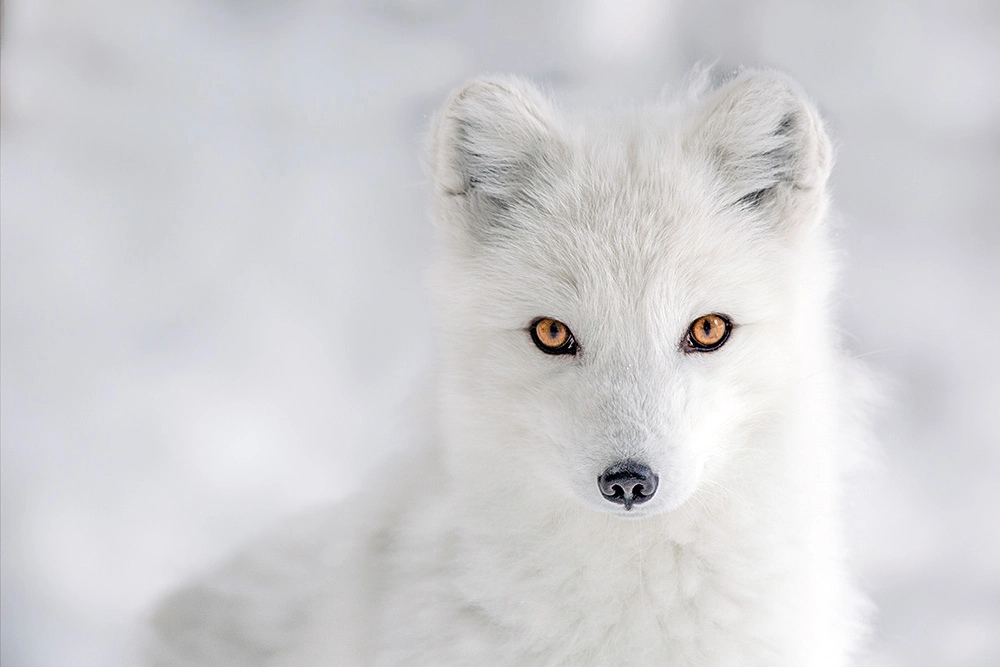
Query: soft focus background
[(214, 236)]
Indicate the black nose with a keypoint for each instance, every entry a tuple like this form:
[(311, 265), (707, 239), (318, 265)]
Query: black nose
[(628, 483)]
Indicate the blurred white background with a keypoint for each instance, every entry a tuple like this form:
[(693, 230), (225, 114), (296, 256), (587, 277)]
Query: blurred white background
[(214, 235)]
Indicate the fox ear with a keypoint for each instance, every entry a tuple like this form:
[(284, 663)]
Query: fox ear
[(494, 149), (768, 144)]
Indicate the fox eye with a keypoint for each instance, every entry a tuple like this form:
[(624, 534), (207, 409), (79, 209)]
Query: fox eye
[(552, 336), (707, 333)]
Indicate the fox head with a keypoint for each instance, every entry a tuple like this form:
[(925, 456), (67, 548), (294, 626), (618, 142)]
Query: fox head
[(626, 301)]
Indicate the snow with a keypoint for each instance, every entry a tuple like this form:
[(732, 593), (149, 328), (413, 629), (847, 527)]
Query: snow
[(214, 236)]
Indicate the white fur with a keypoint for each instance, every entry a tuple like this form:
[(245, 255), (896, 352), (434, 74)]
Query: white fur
[(492, 544)]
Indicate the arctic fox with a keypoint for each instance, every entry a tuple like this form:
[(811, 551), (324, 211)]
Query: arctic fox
[(641, 413)]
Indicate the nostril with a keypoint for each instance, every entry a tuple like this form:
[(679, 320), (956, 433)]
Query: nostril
[(627, 483)]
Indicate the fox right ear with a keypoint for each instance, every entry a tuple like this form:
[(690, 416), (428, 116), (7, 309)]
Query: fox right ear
[(493, 149), (768, 144)]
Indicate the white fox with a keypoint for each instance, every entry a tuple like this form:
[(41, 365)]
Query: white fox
[(636, 432)]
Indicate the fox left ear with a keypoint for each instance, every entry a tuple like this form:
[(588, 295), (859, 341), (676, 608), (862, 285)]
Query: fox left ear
[(494, 149), (768, 145)]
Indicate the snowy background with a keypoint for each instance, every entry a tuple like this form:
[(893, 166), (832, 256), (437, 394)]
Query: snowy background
[(214, 237)]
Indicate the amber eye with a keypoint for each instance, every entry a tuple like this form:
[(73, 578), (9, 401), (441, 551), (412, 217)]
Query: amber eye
[(708, 332), (552, 336)]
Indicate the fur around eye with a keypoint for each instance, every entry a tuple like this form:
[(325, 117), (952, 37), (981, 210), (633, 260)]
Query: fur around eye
[(552, 336), (708, 333)]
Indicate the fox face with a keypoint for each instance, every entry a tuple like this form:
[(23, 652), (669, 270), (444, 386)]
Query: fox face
[(623, 303)]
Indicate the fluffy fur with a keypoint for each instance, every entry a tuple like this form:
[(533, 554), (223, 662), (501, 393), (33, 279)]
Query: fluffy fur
[(492, 545)]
